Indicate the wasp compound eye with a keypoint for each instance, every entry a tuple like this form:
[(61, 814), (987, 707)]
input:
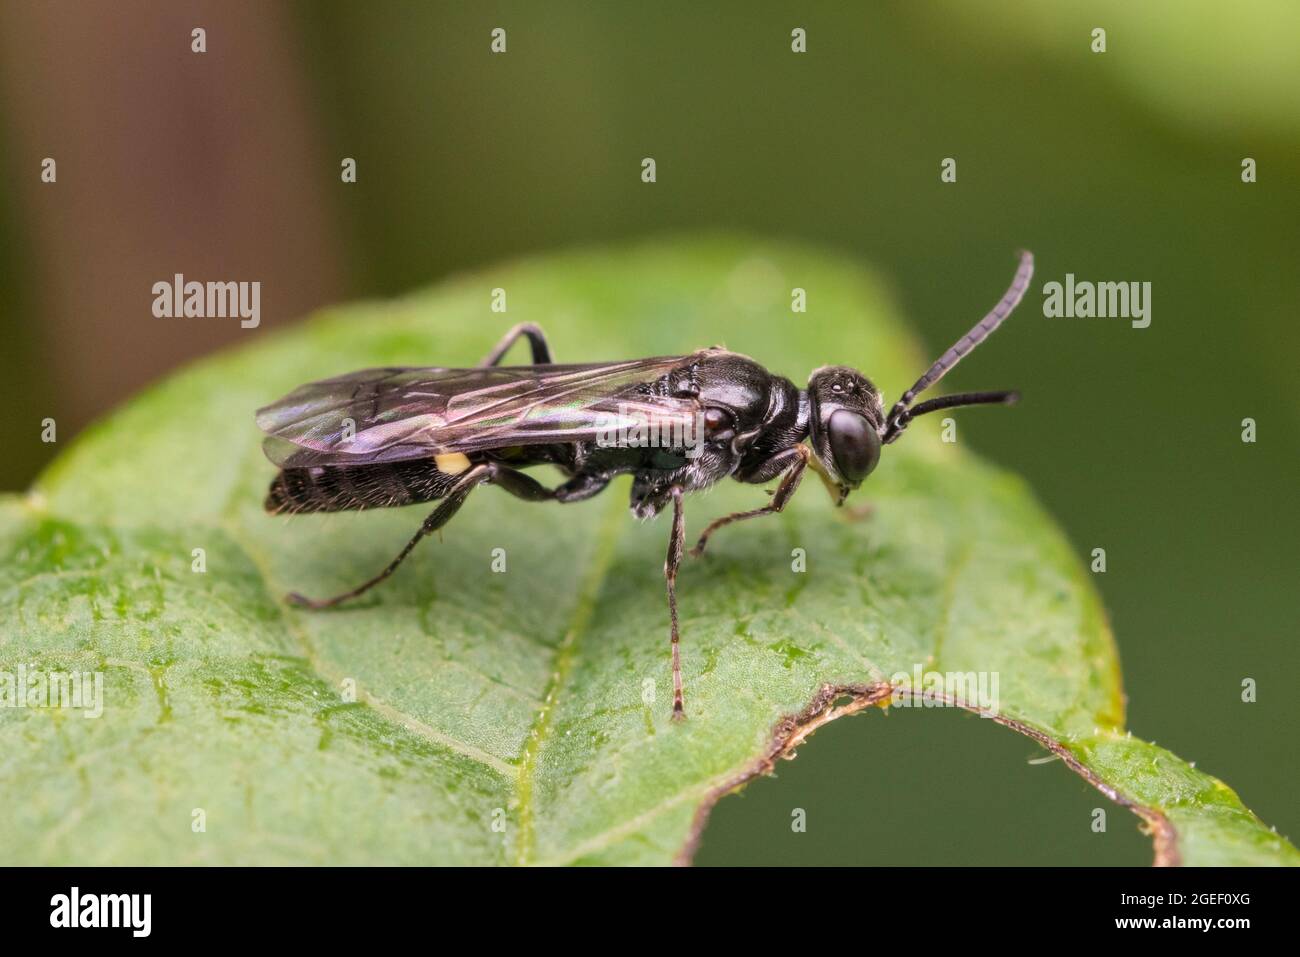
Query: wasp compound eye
[(855, 445)]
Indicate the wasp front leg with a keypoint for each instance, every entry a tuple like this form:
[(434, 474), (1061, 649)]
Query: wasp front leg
[(857, 513), (793, 461), (850, 513)]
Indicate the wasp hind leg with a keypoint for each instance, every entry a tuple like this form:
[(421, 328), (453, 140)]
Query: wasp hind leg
[(516, 483), (536, 339)]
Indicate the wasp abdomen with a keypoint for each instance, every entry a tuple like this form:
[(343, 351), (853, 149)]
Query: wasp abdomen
[(338, 489)]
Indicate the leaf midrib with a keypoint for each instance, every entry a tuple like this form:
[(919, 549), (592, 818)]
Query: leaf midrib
[(608, 532)]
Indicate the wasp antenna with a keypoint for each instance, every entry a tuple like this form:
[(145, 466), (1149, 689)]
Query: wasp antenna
[(899, 422), (966, 343)]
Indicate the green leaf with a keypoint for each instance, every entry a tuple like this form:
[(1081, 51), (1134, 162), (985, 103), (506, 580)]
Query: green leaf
[(502, 718)]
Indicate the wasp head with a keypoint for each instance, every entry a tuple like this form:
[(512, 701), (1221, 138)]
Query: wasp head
[(845, 424)]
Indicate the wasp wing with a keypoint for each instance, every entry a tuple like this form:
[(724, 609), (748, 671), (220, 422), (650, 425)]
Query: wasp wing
[(392, 414)]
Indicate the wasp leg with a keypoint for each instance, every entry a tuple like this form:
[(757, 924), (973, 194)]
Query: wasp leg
[(520, 485), (858, 513), (536, 339), (516, 483), (439, 517), (784, 492), (675, 543), (582, 487), (849, 513)]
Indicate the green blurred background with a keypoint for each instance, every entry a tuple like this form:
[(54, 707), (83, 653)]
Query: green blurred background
[(1124, 165)]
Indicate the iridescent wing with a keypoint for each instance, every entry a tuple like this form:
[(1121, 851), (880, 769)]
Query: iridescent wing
[(387, 415)]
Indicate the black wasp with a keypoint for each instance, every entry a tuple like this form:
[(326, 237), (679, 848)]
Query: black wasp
[(397, 436)]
